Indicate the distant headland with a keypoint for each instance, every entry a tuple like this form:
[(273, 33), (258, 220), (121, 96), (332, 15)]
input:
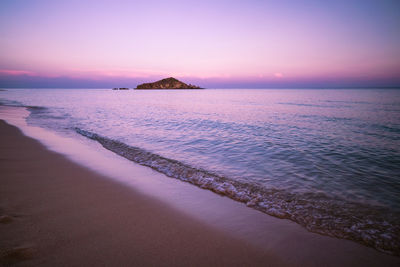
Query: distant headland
[(168, 83)]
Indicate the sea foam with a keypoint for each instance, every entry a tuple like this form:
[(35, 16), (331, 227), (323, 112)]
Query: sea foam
[(370, 225)]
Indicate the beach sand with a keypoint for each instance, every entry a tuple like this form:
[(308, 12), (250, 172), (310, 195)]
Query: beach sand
[(54, 212)]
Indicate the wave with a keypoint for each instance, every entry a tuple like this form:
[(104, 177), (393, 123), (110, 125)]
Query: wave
[(314, 105), (12, 103), (373, 226)]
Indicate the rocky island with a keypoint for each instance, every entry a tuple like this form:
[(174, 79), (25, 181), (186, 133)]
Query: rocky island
[(168, 83)]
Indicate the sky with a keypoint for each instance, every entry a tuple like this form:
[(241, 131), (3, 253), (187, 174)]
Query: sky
[(211, 43)]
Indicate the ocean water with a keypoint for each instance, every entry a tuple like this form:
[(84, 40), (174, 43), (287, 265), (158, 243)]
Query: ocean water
[(326, 159)]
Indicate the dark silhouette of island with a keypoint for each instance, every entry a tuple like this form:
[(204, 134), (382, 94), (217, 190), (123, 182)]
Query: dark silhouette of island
[(168, 83)]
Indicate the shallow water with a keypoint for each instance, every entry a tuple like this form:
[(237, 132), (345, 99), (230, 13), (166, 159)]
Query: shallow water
[(327, 159)]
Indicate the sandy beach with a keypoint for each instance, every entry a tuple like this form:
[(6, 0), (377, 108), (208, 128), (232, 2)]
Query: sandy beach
[(56, 213), (216, 133)]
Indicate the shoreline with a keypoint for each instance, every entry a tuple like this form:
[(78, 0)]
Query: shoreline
[(265, 200), (60, 213), (276, 241)]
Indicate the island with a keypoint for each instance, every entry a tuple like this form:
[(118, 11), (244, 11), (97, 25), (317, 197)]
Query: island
[(168, 83), (120, 88)]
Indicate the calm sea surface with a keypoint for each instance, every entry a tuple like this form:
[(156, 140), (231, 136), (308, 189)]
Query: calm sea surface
[(326, 159)]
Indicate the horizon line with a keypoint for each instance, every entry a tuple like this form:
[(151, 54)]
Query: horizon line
[(267, 87)]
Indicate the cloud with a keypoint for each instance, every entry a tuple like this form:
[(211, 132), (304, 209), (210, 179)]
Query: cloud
[(6, 72), (278, 75)]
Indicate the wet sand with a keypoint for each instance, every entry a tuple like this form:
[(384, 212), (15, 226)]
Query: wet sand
[(54, 212)]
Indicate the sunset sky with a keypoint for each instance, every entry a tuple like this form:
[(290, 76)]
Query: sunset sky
[(212, 43)]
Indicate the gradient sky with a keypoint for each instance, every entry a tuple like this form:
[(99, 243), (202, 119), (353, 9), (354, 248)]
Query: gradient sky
[(213, 43)]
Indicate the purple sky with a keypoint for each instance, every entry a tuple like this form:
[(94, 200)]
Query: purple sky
[(222, 44)]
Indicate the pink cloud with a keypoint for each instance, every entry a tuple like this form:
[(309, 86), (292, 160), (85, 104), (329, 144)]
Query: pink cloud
[(278, 75), (16, 72)]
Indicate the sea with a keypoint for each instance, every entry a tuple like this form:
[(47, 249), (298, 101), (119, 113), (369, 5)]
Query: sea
[(327, 159)]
